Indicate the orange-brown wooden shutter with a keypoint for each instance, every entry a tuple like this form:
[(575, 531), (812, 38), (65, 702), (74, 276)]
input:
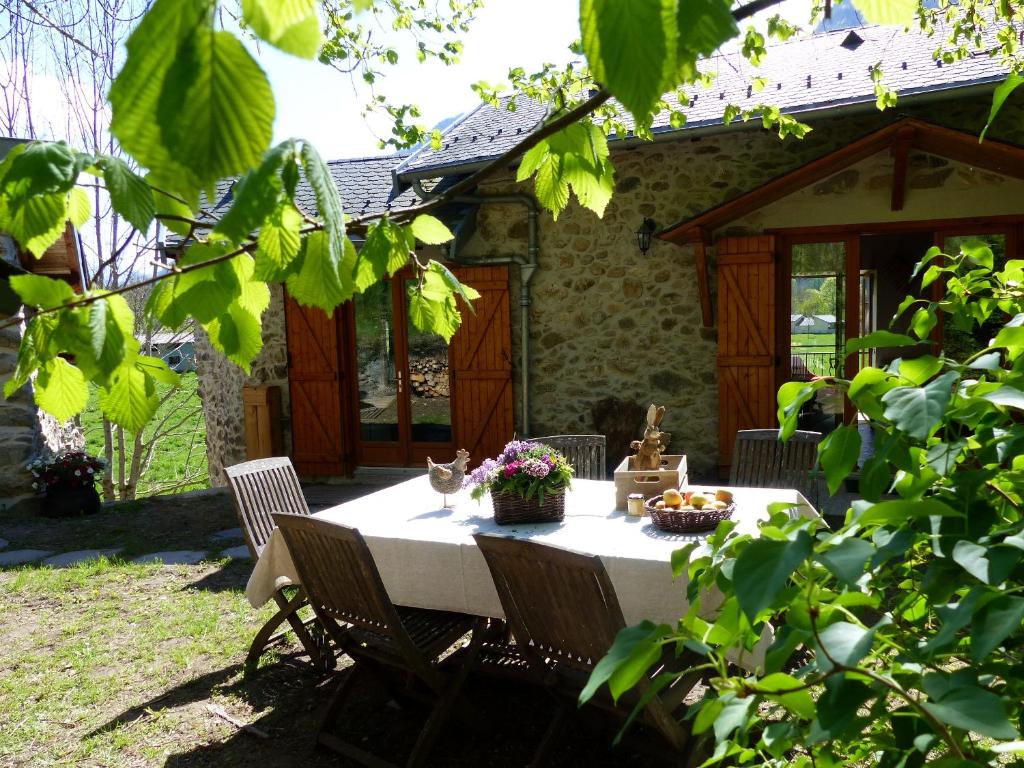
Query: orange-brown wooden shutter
[(481, 364), (314, 379), (746, 338)]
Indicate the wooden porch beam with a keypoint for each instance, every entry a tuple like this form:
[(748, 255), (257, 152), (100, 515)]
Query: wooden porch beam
[(700, 250), (900, 151)]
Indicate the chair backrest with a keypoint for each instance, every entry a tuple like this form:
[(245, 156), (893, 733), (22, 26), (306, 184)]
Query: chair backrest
[(340, 577), (559, 604), (586, 453), (260, 488), (760, 460)]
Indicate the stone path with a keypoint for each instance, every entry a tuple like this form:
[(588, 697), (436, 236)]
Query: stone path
[(231, 534), (178, 557), (237, 553), (19, 556), (66, 559), (4, 543)]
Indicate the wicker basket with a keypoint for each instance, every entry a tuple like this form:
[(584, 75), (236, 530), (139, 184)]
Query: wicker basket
[(511, 508), (687, 520)]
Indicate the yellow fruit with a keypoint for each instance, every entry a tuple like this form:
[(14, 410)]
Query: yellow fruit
[(672, 498), (659, 505), (720, 504), (698, 502), (723, 495)]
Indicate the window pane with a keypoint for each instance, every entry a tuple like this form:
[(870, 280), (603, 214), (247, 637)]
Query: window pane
[(375, 356), (429, 387)]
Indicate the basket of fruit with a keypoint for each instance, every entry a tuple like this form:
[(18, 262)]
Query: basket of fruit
[(689, 511)]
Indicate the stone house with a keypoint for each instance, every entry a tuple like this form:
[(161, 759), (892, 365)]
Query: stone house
[(26, 432), (577, 330)]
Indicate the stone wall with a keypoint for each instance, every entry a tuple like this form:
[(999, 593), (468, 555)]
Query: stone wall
[(611, 330), (220, 389)]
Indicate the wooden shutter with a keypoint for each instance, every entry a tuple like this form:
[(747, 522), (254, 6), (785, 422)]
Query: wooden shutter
[(314, 380), (746, 338), (481, 365)]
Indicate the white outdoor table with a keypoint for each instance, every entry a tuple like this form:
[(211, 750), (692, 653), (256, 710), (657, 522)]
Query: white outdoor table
[(427, 557)]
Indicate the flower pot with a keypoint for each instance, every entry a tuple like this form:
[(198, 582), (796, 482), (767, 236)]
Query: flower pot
[(64, 501), (511, 508)]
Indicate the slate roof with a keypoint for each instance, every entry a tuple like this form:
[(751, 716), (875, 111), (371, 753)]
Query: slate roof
[(804, 75)]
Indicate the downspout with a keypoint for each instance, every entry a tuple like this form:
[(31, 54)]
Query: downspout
[(527, 267)]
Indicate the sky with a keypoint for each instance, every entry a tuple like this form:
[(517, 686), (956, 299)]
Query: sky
[(317, 103)]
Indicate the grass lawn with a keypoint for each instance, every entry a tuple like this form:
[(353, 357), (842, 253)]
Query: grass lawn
[(179, 461), (116, 664), (817, 349)]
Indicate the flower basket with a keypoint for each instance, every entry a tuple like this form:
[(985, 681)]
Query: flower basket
[(67, 484), (65, 501), (510, 508)]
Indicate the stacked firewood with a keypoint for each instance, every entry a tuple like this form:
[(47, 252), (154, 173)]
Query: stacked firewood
[(428, 377)]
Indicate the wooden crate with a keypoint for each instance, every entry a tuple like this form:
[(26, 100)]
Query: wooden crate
[(649, 482), (262, 406)]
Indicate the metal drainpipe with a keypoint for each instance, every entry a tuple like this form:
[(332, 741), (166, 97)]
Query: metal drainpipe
[(527, 268)]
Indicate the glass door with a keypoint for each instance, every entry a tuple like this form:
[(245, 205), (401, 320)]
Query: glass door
[(404, 403)]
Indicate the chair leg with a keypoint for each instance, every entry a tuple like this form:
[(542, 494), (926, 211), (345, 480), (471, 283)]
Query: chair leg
[(317, 652), (541, 754), (263, 637), (320, 654)]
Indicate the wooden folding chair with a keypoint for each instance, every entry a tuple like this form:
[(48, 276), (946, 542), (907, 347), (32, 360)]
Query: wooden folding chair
[(564, 615), (760, 460), (259, 488), (586, 453), (346, 591)]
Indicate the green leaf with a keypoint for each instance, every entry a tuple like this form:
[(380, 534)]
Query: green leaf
[(290, 25), (467, 293), (845, 643), (207, 291), (923, 321), (1006, 396), (681, 558), (847, 560), (386, 250), (999, 97), (918, 370), (217, 109), (429, 230), (629, 47), (36, 222), (733, 715), (316, 280), (60, 389), (328, 202), (167, 206), (894, 12), (79, 207), (900, 510), (279, 243), (158, 370), (130, 194), (764, 567), (238, 335), (973, 709), (994, 623), (838, 454), (702, 26), (40, 168), (42, 292), (990, 565), (256, 196), (137, 90), (130, 400), (879, 339), (799, 702), (918, 410), (440, 317), (635, 649), (111, 339)]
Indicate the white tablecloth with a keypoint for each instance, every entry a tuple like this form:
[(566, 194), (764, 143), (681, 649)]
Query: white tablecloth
[(427, 557)]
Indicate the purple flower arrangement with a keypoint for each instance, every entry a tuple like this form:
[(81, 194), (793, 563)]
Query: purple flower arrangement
[(528, 469)]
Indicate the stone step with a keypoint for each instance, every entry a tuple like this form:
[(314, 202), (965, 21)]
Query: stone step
[(67, 559), (177, 557), (237, 553), (22, 556)]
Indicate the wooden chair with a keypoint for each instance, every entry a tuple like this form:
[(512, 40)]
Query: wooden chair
[(345, 589), (586, 453), (760, 460), (564, 615), (259, 488)]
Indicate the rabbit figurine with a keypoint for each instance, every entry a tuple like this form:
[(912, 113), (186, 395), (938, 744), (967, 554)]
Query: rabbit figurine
[(648, 450)]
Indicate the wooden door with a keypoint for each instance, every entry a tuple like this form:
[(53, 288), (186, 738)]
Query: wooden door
[(746, 339), (481, 365), (315, 390)]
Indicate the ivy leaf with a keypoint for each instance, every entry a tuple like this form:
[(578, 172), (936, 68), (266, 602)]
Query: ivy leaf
[(136, 92), (894, 12), (37, 221), (290, 25), (255, 197), (429, 230), (838, 454), (973, 709), (845, 643), (279, 243), (635, 649), (130, 195), (764, 567), (629, 47), (918, 410), (878, 340), (42, 292), (60, 389), (79, 207), (994, 623), (131, 400), (847, 560), (999, 97), (799, 702), (216, 109)]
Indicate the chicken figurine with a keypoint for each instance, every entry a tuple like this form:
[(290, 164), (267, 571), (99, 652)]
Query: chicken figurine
[(447, 478)]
